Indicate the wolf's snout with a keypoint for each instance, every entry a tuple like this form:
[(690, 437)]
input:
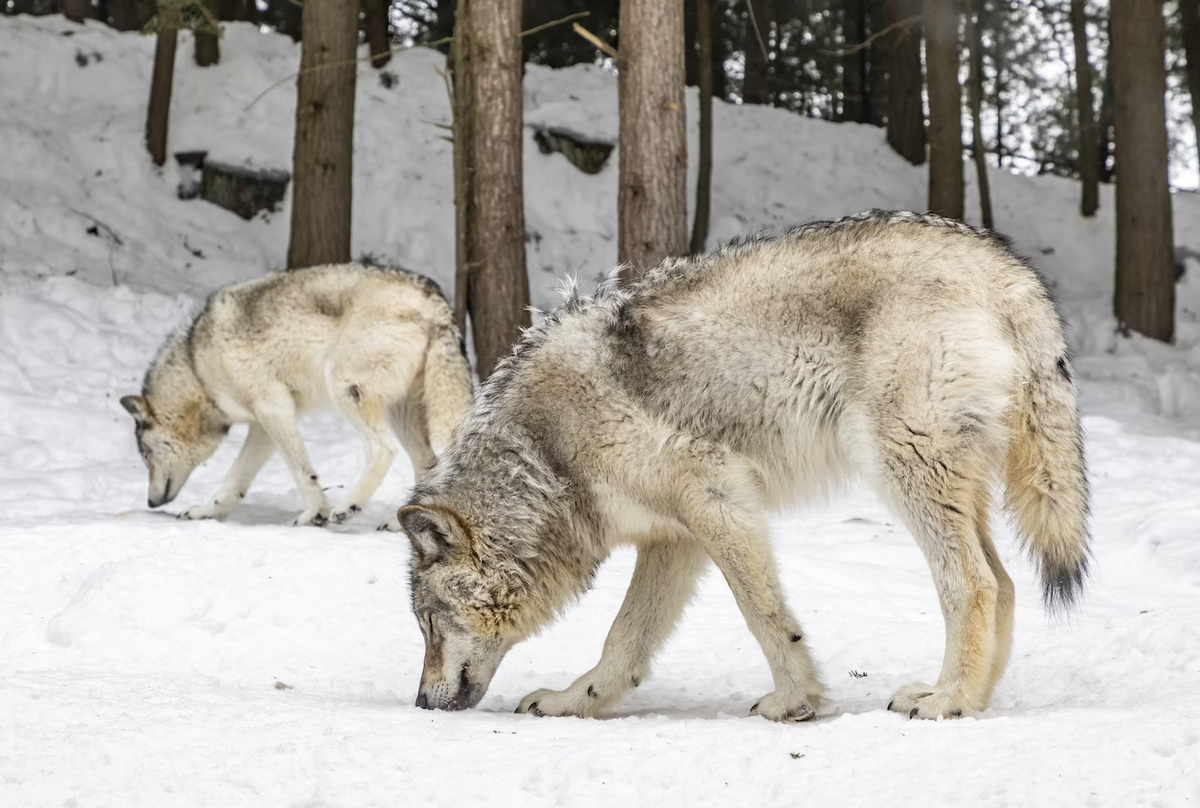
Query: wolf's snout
[(423, 701)]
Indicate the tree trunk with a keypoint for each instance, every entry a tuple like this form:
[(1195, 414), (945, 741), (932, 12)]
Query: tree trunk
[(488, 73), (129, 15), (760, 19), (1104, 149), (323, 155), (460, 69), (1145, 287), (652, 181), (159, 111), (704, 177), (854, 65), (1190, 13), (375, 20), (1089, 165), (207, 49), (719, 23), (76, 10), (945, 108), (906, 115), (976, 90), (999, 55)]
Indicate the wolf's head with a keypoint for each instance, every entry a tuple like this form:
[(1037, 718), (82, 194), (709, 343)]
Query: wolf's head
[(501, 543), (177, 424), (469, 612)]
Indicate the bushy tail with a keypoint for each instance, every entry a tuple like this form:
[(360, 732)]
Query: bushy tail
[(1046, 483), (447, 390)]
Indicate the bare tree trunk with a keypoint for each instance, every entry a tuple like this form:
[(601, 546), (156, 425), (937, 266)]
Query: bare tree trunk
[(375, 20), (704, 178), (159, 111), (945, 108), (761, 17), (207, 49), (854, 65), (652, 182), (1104, 149), (1190, 13), (497, 283), (1145, 286), (323, 156), (1000, 55), (976, 90), (76, 10), (906, 113), (1089, 165), (460, 61)]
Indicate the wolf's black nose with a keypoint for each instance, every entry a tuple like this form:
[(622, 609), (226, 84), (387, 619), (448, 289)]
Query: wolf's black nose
[(422, 701)]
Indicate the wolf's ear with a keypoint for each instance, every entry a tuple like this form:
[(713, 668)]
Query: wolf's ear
[(431, 531), (137, 407)]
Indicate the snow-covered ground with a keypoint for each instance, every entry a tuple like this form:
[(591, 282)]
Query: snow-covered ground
[(146, 661)]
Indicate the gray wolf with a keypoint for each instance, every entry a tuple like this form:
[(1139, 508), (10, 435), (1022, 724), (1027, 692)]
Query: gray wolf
[(378, 345), (914, 352)]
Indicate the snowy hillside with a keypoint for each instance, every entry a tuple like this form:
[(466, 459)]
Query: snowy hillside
[(146, 661)]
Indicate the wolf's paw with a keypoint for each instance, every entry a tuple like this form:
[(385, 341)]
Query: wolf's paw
[(313, 517), (391, 526), (558, 703), (344, 513), (787, 708), (210, 511), (930, 701)]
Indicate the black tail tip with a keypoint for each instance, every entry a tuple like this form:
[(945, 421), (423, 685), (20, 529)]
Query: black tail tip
[(1062, 584)]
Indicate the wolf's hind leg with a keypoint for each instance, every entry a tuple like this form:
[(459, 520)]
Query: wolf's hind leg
[(937, 494), (663, 582), (254, 453), (408, 423), (367, 412), (1005, 596)]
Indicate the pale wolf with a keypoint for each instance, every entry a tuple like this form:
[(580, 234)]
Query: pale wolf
[(916, 352), (379, 345)]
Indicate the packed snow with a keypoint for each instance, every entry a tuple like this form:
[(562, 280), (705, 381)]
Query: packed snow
[(148, 661)]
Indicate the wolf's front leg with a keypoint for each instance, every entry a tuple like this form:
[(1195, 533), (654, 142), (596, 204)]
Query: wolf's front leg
[(277, 415), (254, 453), (739, 545), (663, 582)]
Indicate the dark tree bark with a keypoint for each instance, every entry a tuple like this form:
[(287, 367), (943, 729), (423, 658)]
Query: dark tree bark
[(76, 10), (238, 11), (652, 182), (976, 91), (945, 108), (1145, 286), (854, 65), (759, 23), (704, 178), (208, 45), (158, 112), (323, 155), (130, 15), (1104, 151), (999, 57), (488, 72), (1190, 13), (1089, 165), (719, 22), (375, 20), (906, 114)]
